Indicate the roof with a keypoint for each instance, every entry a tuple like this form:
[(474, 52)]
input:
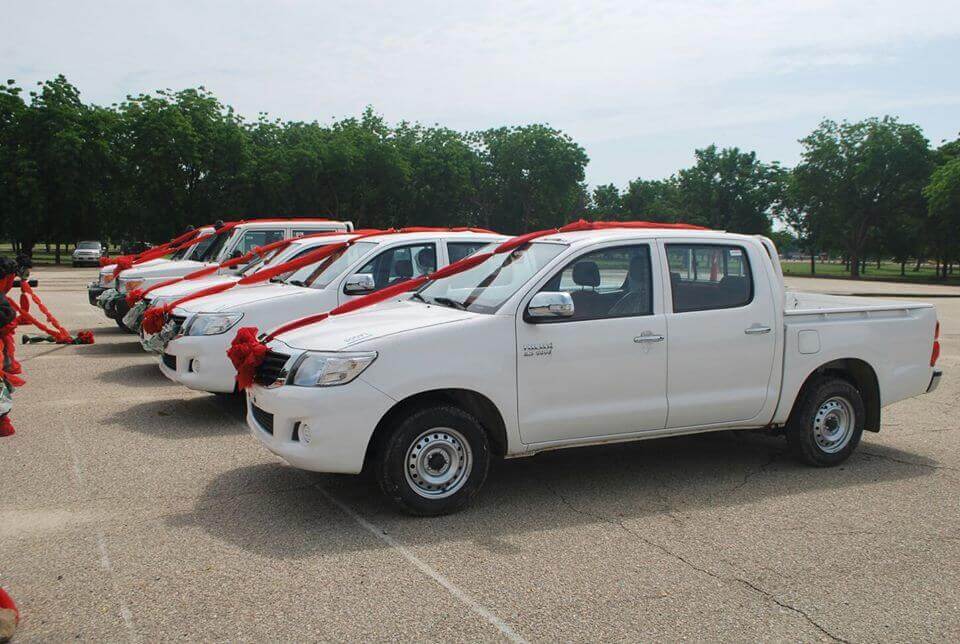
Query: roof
[(406, 237), (613, 234)]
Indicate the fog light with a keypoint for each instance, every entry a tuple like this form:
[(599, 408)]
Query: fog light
[(305, 433), (195, 366)]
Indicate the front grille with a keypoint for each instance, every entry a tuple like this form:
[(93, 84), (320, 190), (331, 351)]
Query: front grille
[(270, 369), (263, 418), (169, 361)]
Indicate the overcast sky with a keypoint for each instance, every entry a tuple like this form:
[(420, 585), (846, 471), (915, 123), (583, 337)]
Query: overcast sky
[(639, 84)]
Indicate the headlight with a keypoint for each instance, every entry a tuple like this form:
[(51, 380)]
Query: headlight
[(318, 369), (128, 285), (212, 323), (161, 301)]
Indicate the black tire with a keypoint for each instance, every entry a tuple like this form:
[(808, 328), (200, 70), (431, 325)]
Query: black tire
[(822, 402), (75, 264), (392, 464), (123, 326)]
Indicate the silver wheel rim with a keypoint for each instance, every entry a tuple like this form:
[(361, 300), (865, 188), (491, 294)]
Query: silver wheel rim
[(833, 425), (438, 463)]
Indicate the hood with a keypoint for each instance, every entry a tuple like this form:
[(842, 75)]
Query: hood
[(186, 287), (241, 296), (378, 321), (107, 271), (167, 269)]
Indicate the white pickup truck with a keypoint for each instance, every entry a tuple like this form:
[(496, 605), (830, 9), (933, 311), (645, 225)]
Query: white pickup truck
[(197, 358), (231, 243), (581, 338)]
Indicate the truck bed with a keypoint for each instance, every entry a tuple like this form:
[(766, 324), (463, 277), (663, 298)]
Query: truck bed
[(799, 303)]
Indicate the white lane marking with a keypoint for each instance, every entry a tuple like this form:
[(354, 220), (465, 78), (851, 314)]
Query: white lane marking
[(423, 567), (105, 562)]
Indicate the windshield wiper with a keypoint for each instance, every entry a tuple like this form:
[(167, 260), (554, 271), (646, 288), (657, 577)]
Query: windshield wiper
[(296, 283), (446, 301)]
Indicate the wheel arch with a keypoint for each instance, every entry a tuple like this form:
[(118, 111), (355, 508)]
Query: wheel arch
[(858, 373), (473, 402)]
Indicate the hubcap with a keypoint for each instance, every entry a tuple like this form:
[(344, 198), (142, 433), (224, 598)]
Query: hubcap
[(833, 425), (438, 463)]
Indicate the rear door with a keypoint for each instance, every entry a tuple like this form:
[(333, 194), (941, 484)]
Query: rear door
[(722, 336), (601, 372)]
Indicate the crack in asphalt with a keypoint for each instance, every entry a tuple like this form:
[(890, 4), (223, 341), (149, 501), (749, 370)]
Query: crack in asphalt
[(749, 474), (720, 578), (904, 461)]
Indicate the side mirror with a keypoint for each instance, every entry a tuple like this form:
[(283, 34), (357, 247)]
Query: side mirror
[(235, 254), (359, 284), (546, 304)]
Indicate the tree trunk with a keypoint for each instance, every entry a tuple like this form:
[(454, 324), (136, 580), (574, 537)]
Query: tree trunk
[(916, 269), (903, 268), (854, 266), (813, 263), (56, 257), (878, 263)]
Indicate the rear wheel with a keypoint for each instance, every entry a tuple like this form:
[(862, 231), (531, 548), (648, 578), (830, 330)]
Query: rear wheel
[(434, 462), (827, 424)]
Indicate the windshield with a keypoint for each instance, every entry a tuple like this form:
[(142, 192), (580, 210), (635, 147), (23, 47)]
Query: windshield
[(483, 288), (214, 246), (196, 252), (319, 275), (88, 246)]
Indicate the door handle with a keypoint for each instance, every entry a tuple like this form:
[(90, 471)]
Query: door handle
[(648, 337), (757, 329)]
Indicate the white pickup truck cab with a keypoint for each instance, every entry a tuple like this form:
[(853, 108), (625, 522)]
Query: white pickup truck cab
[(581, 338), (197, 357)]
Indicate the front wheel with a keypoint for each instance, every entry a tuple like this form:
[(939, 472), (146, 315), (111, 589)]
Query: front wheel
[(123, 326), (827, 424), (434, 462)]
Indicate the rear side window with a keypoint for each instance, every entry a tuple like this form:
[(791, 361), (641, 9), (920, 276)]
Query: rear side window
[(459, 250), (709, 276), (253, 238)]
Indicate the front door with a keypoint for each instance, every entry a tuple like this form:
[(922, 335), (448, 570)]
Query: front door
[(601, 372), (722, 334)]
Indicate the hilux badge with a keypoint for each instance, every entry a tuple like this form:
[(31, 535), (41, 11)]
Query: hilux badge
[(544, 349)]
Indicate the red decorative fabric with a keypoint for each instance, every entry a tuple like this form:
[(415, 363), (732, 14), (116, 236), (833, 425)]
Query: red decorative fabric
[(85, 337), (6, 601), (153, 320), (246, 353), (122, 264), (6, 429), (134, 296)]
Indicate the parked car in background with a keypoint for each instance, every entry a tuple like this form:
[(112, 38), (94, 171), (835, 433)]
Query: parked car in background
[(88, 253), (583, 338), (197, 358)]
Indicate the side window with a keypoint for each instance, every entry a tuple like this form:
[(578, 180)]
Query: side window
[(459, 250), (607, 283), (309, 231), (401, 263), (708, 276), (253, 238)]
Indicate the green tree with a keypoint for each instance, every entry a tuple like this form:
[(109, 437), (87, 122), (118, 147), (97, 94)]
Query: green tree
[(861, 177), (943, 198), (532, 177), (730, 190), (653, 200), (606, 200)]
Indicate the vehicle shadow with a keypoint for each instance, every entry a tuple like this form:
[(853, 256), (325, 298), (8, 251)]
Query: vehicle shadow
[(660, 480), (113, 349), (136, 375), (199, 416)]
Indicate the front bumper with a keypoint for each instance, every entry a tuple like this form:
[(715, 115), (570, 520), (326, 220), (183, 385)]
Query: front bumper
[(93, 292), (322, 429), (934, 381), (200, 362)]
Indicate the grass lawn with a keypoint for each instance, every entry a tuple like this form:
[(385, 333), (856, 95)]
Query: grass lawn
[(888, 271)]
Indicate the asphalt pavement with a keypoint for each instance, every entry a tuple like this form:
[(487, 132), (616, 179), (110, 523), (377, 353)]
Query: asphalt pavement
[(132, 509)]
